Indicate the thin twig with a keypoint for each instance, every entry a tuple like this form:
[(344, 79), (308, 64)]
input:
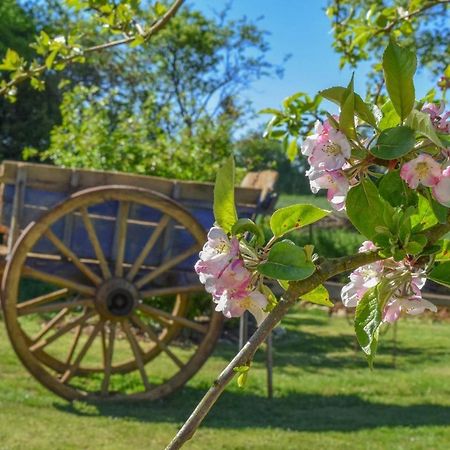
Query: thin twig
[(388, 28)]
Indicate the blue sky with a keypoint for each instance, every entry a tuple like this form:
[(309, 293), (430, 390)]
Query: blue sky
[(301, 28)]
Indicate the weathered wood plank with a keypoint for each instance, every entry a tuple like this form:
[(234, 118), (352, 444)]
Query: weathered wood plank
[(51, 178)]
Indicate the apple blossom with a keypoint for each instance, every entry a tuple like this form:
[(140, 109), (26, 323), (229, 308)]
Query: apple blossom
[(336, 183), (362, 279), (216, 254), (327, 148), (439, 118), (405, 281), (233, 304), (408, 298), (423, 169), (441, 191), (223, 272)]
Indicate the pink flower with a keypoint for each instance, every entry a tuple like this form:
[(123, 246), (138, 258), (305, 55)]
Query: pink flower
[(234, 277), (433, 110), (439, 119), (441, 190), (404, 282), (362, 279), (225, 276), (413, 306), (217, 253), (423, 169), (367, 246), (327, 148), (336, 183), (232, 305)]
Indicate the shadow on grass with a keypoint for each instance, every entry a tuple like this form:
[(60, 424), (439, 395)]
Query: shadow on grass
[(297, 412), (313, 352)]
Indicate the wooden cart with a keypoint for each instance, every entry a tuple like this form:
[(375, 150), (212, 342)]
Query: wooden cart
[(98, 289)]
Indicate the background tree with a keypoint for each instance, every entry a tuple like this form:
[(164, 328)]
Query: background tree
[(169, 107), (361, 31), (28, 120)]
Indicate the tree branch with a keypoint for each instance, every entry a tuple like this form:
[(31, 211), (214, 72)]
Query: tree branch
[(155, 28), (296, 289), (388, 28)]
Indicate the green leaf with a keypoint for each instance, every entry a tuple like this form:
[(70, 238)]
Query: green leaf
[(365, 208), (441, 274), (286, 261), (416, 245), (224, 207), (390, 117), (362, 110), (51, 58), (242, 379), (292, 217), (318, 296), (243, 375), (347, 116), (367, 323), (440, 211), (394, 190), (424, 217), (399, 65), (12, 61), (421, 122), (394, 143), (271, 298), (160, 9), (241, 369), (444, 250), (292, 150), (274, 111), (244, 225), (138, 40)]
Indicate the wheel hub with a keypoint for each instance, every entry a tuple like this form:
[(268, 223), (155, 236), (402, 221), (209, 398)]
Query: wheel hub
[(116, 298)]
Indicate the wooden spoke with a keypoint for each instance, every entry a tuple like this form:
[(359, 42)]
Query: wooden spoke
[(50, 325), (68, 374), (167, 265), (54, 307), (95, 242), (69, 254), (58, 281), (148, 247), (63, 330), (154, 337), (121, 239), (42, 299), (155, 312), (107, 356), (155, 292), (137, 354), (75, 341)]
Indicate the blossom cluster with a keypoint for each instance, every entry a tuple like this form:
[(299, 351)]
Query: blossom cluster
[(222, 270), (328, 152), (332, 166), (433, 172), (404, 283)]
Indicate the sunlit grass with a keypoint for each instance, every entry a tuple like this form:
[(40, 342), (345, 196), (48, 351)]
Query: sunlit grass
[(325, 398)]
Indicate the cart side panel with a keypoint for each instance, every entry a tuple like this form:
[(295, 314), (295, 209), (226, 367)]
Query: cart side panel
[(47, 186)]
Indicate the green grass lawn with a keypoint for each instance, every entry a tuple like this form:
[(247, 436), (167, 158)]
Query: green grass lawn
[(287, 200), (325, 398)]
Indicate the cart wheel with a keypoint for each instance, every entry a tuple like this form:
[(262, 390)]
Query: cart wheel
[(112, 315)]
